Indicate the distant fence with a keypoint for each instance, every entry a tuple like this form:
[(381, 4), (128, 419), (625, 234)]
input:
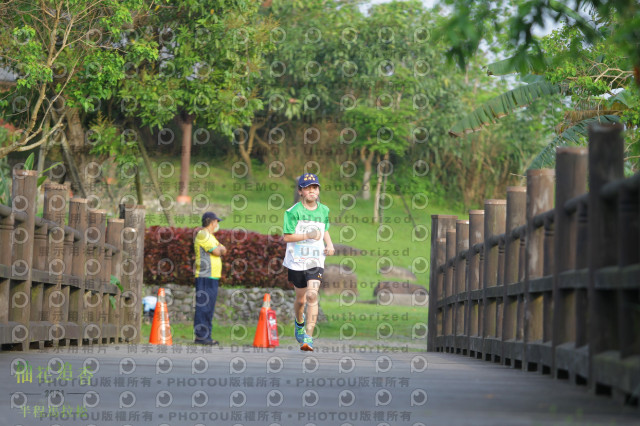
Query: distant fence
[(550, 290), (56, 280)]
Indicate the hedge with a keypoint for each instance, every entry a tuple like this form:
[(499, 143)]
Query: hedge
[(252, 259)]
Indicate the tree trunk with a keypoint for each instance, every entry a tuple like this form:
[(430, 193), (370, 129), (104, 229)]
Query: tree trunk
[(44, 148), (139, 186), (78, 149), (376, 200), (77, 186), (384, 185), (76, 180), (186, 125), (367, 159), (245, 151)]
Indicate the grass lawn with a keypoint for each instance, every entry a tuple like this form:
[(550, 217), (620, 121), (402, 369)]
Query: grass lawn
[(386, 325), (259, 206)]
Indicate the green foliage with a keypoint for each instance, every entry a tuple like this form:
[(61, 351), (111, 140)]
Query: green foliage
[(6, 176), (5, 181), (29, 56), (508, 66), (28, 165), (471, 22), (211, 53), (309, 58), (502, 105), (115, 281), (573, 136), (108, 141), (65, 52), (513, 22), (582, 60), (374, 75)]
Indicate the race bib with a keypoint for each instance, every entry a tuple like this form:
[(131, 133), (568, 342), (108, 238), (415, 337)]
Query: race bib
[(310, 251)]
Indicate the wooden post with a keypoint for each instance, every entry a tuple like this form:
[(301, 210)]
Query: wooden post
[(494, 225), (548, 268), (606, 158), (439, 226), (462, 244), (79, 221), (114, 237), (38, 329), (440, 278), (448, 293), (6, 231), (628, 298), (476, 236), (540, 185), (516, 217), (24, 196), (94, 295), (128, 300), (571, 181), (134, 218), (56, 301)]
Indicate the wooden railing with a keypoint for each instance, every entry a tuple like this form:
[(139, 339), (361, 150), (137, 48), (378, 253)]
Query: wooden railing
[(550, 290), (56, 285)]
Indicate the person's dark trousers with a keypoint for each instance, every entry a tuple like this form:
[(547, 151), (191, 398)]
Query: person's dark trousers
[(206, 294)]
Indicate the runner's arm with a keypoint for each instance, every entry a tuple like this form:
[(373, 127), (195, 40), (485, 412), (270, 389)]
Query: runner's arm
[(294, 238), (328, 249)]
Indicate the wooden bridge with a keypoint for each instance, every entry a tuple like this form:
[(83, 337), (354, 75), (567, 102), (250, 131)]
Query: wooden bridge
[(67, 284), (552, 290), (521, 284)]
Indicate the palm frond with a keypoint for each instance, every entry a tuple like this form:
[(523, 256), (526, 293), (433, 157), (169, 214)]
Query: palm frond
[(502, 105), (573, 136), (512, 65), (576, 116)]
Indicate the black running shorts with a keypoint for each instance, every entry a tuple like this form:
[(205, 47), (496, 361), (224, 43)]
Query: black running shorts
[(299, 279)]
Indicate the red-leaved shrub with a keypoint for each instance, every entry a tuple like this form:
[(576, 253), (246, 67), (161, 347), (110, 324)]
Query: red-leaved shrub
[(252, 259)]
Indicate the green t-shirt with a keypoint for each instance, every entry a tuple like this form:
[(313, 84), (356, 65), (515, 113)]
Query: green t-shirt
[(306, 254)]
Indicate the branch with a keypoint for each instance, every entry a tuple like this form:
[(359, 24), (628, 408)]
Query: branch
[(26, 139), (261, 142), (44, 137), (41, 95)]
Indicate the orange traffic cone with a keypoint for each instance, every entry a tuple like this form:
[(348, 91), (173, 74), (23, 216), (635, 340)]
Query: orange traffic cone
[(267, 330), (160, 328)]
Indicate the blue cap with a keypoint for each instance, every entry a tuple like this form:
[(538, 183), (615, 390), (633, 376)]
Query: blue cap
[(210, 215), (308, 179)]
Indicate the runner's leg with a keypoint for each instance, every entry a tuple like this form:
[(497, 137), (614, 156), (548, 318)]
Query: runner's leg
[(312, 304), (298, 304)]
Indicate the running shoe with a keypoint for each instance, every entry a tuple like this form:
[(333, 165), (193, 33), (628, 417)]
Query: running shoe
[(307, 343), (299, 331)]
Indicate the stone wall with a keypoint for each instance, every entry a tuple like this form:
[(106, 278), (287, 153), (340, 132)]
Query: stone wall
[(232, 306)]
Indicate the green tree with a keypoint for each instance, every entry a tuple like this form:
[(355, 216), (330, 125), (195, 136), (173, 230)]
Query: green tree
[(210, 54), (592, 77), (401, 83), (375, 73), (474, 21), (304, 75), (68, 59)]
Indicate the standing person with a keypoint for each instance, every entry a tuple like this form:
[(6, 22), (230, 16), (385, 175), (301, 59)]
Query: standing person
[(306, 232), (208, 269)]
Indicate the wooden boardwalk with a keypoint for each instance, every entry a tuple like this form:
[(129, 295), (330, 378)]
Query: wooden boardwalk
[(140, 385), (548, 279)]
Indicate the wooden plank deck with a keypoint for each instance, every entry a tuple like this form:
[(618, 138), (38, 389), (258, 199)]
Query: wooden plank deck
[(335, 385)]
